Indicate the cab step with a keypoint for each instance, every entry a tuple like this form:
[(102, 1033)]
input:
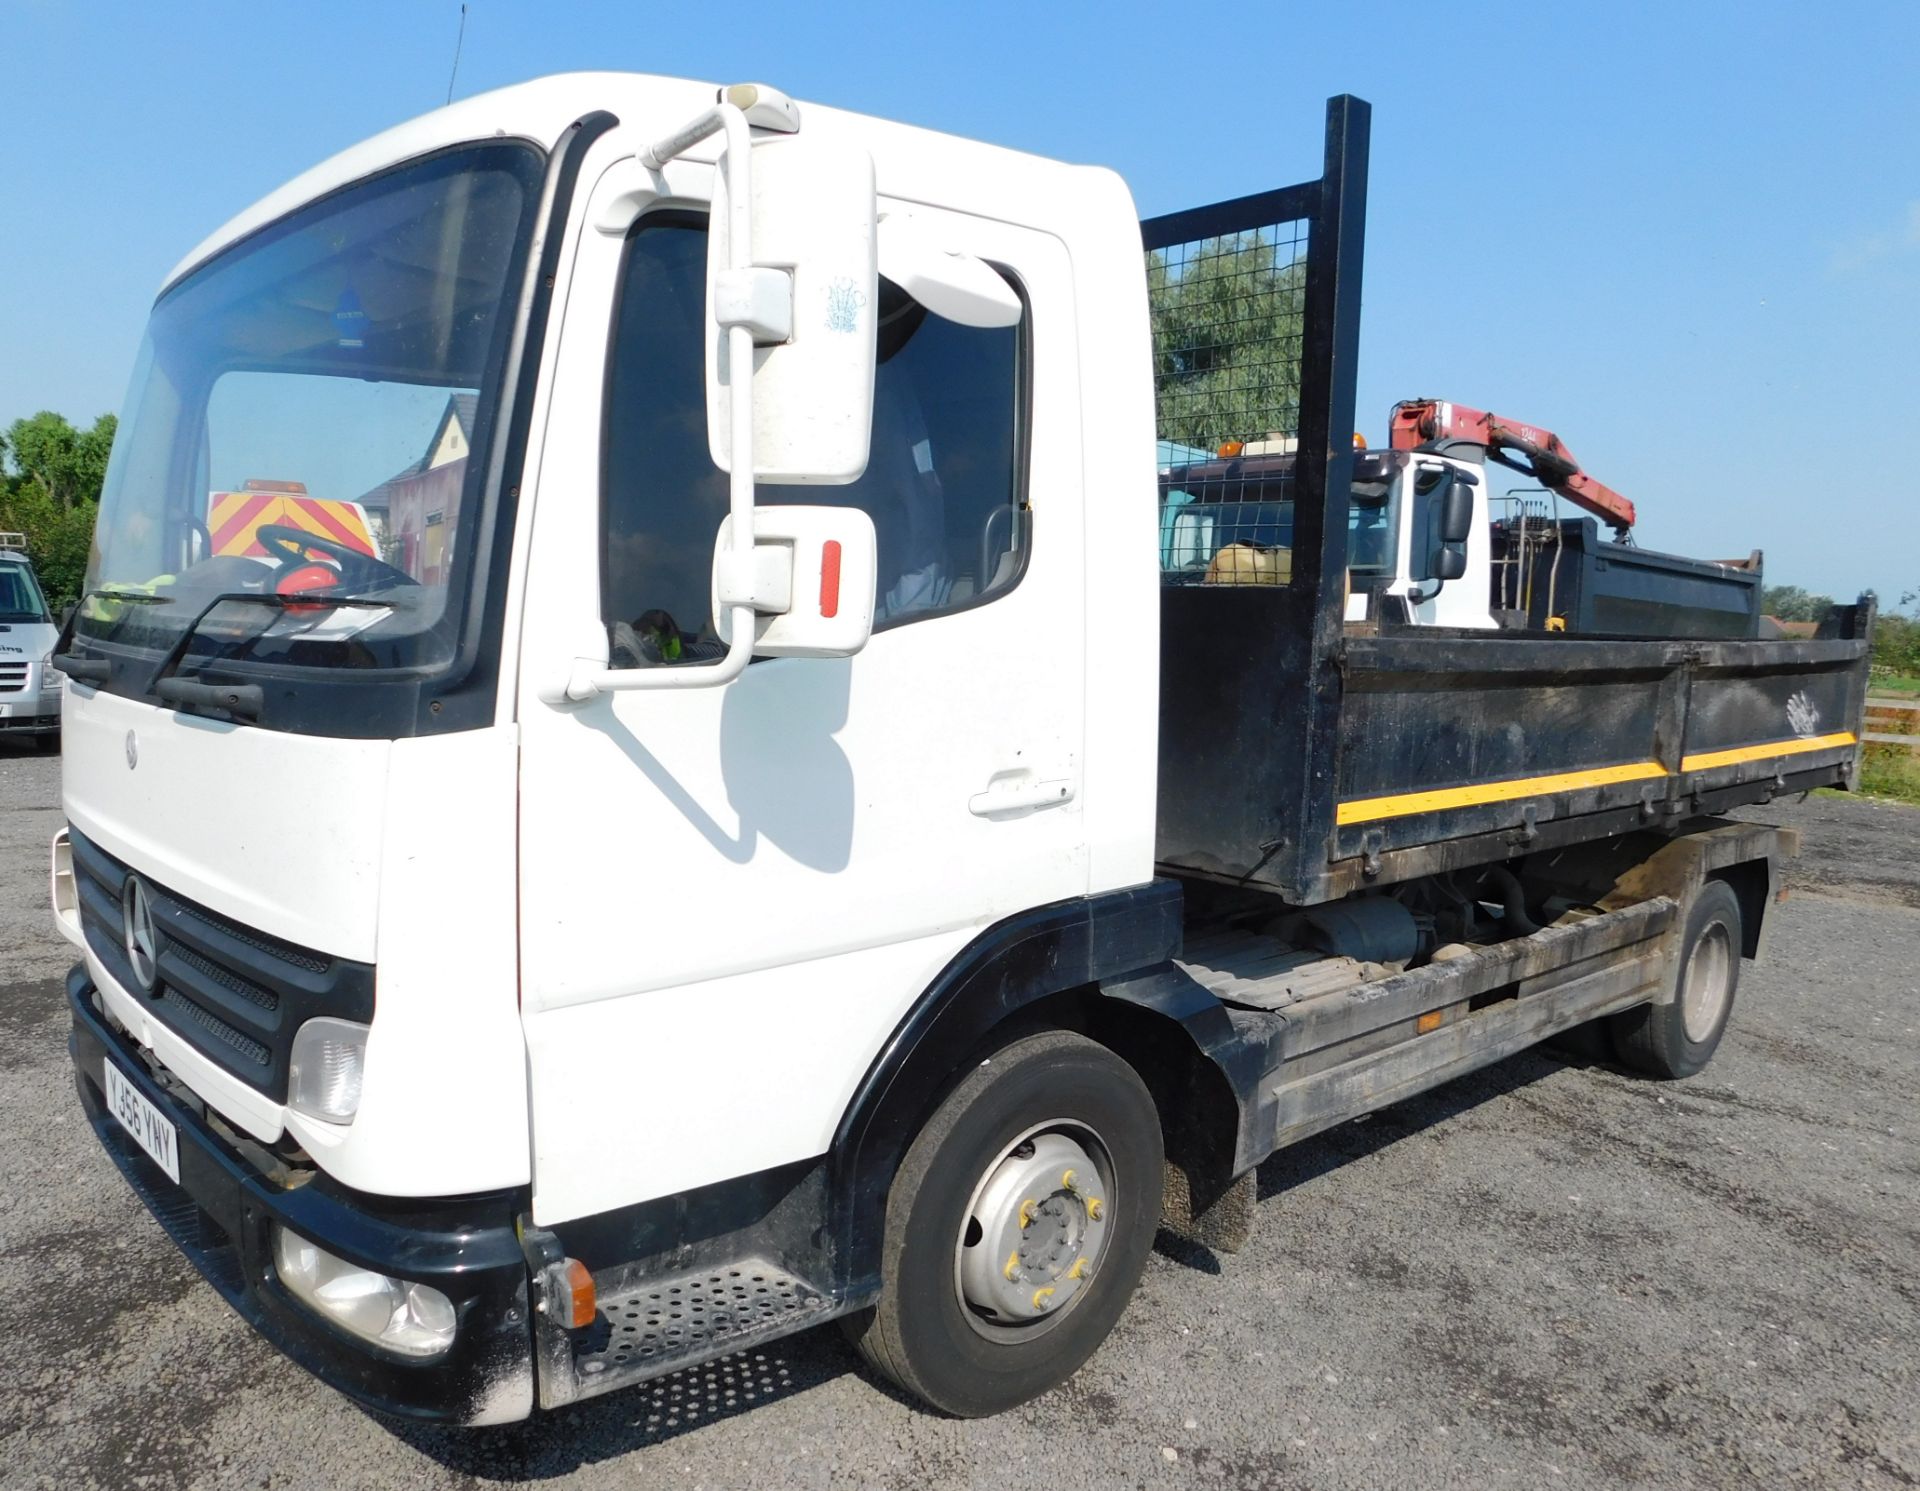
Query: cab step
[(671, 1321)]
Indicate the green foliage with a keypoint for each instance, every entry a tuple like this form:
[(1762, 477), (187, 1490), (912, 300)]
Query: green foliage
[(57, 540), (51, 473), (1886, 769), (1890, 771), (1896, 644), (1791, 603), (1226, 341), (67, 464)]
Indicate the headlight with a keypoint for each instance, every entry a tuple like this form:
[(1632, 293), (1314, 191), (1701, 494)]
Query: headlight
[(50, 680), (324, 1076), (413, 1319)]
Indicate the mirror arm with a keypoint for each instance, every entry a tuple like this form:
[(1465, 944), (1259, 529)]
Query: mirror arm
[(590, 676), (707, 122)]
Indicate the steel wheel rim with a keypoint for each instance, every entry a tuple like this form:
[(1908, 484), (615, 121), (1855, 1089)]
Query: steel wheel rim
[(1036, 1231), (1707, 984)]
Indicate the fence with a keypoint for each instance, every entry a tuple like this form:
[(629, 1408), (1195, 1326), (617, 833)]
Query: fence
[(1894, 722), (1255, 304)]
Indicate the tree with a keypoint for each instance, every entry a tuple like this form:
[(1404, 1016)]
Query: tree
[(50, 478), (1896, 645), (1791, 603), (1227, 317), (69, 465)]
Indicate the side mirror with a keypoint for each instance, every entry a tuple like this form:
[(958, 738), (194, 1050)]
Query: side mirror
[(793, 289), (808, 288), (811, 577), (1456, 515), (1449, 562), (958, 286)]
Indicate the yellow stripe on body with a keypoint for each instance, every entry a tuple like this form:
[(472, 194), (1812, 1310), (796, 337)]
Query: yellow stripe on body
[(1370, 809), (1768, 751), (1403, 805)]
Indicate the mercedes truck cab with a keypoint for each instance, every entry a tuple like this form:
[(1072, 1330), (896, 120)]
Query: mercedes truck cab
[(553, 866)]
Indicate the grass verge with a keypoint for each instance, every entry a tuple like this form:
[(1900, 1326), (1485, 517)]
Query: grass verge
[(1890, 771)]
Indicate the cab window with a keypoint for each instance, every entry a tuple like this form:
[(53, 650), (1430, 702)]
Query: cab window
[(943, 483)]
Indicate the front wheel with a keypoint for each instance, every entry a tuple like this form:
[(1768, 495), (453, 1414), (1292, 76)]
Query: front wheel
[(1017, 1227), (1679, 1038), (48, 744)]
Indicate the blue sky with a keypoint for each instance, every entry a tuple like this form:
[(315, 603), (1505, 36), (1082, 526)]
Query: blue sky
[(1686, 236)]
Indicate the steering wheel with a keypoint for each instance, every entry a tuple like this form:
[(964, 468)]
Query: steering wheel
[(358, 571)]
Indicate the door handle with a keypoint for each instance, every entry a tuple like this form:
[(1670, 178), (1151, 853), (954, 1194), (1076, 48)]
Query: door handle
[(1020, 792)]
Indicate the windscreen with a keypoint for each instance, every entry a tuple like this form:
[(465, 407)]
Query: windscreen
[(308, 420), (20, 598), (1222, 523)]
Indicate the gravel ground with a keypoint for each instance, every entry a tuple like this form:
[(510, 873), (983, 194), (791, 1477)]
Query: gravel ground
[(1550, 1274)]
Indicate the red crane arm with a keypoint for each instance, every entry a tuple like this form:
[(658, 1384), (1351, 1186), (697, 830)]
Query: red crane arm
[(1418, 422)]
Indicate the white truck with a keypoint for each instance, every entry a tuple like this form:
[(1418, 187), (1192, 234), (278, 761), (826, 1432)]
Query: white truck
[(1430, 544), (798, 854), (29, 684)]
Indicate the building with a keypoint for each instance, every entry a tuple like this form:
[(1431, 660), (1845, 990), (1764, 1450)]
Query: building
[(416, 510)]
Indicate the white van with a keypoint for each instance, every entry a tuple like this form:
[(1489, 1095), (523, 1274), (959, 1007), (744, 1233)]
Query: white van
[(29, 685)]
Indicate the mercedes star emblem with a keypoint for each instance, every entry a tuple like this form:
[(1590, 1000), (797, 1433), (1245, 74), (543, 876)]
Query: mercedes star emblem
[(141, 938)]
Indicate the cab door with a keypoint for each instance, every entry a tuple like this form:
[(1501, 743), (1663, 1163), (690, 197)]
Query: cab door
[(730, 896)]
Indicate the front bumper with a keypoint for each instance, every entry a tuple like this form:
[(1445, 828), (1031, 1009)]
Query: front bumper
[(17, 723), (221, 1215)]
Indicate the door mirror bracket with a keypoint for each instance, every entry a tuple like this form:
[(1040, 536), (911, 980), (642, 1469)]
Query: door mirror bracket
[(792, 293)]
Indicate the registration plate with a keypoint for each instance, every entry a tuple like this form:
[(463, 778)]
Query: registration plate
[(151, 1130)]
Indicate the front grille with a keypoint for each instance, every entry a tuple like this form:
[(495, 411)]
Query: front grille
[(243, 1045), (13, 677), (265, 998), (286, 952), (235, 995)]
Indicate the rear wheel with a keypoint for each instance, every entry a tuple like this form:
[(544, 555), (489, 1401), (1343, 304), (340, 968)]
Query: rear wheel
[(1017, 1227), (1679, 1038)]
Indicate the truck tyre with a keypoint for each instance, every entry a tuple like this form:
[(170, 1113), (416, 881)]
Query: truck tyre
[(1679, 1038), (1017, 1227)]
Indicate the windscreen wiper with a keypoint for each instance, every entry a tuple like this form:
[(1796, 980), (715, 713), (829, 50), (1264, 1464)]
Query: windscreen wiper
[(238, 699), (96, 669)]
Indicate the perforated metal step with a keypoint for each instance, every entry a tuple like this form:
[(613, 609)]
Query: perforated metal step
[(675, 1321)]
